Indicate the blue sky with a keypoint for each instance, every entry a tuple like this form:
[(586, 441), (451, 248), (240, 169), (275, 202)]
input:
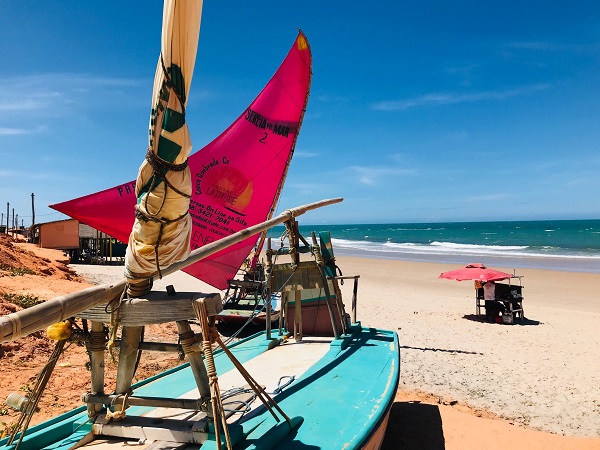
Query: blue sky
[(422, 112)]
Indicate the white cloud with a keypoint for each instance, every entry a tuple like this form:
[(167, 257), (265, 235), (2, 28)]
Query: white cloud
[(47, 93), (537, 45), (487, 197), (461, 70), (19, 174), (12, 131), (581, 181), (295, 190), (328, 98), (371, 175), (12, 103), (441, 99), (304, 154), (398, 157), (553, 46)]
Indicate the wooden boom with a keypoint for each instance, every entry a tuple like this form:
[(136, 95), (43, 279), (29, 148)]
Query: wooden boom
[(21, 323)]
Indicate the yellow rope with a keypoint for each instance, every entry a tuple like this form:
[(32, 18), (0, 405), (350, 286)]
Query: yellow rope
[(209, 335), (115, 319)]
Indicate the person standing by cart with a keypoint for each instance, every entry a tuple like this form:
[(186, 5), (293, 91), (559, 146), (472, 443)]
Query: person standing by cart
[(491, 306)]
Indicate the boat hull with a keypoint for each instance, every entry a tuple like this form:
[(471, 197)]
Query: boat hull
[(238, 313), (376, 440), (347, 385)]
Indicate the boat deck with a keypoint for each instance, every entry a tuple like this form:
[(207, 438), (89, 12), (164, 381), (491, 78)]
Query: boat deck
[(346, 385)]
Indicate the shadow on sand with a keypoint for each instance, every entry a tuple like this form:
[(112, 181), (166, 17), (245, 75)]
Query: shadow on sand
[(476, 318), (414, 425)]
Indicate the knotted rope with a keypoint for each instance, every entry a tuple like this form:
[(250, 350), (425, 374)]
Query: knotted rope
[(117, 415), (210, 335)]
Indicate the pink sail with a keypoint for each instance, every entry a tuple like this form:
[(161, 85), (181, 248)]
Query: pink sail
[(236, 179)]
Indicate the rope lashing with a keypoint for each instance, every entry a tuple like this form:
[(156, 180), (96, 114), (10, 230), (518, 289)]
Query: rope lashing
[(117, 415), (210, 335), (36, 393), (140, 288), (188, 342), (115, 319), (16, 326), (97, 341), (159, 168)]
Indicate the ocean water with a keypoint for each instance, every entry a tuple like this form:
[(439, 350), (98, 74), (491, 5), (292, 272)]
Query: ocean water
[(571, 245)]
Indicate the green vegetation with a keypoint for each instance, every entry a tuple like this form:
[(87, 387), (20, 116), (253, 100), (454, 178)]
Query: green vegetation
[(16, 271), (7, 429), (24, 301)]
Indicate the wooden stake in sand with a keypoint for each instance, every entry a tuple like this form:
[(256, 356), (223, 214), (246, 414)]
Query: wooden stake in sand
[(16, 325)]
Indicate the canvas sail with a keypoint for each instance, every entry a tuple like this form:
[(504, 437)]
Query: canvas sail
[(235, 179), (162, 227)]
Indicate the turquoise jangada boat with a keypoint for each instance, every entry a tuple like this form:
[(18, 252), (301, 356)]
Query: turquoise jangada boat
[(324, 384), (319, 381)]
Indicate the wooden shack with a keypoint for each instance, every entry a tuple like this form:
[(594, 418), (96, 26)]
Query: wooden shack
[(81, 242)]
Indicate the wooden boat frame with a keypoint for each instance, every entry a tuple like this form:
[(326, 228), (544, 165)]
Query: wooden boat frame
[(214, 425)]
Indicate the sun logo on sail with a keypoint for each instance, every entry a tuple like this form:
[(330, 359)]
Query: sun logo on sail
[(229, 187)]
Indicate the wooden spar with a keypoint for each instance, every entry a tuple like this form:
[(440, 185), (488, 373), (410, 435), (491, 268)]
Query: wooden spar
[(219, 245), (21, 323)]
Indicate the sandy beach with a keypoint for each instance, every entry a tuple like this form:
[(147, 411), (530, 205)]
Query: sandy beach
[(466, 383), (542, 374)]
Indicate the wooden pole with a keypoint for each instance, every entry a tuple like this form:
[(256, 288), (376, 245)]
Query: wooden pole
[(7, 216), (225, 242), (21, 323), (194, 354), (32, 209), (97, 342), (128, 354), (320, 264)]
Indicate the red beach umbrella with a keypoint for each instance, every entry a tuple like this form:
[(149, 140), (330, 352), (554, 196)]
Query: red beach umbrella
[(475, 271)]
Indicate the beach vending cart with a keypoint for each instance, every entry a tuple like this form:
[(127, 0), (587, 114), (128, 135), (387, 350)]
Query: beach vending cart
[(505, 304)]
